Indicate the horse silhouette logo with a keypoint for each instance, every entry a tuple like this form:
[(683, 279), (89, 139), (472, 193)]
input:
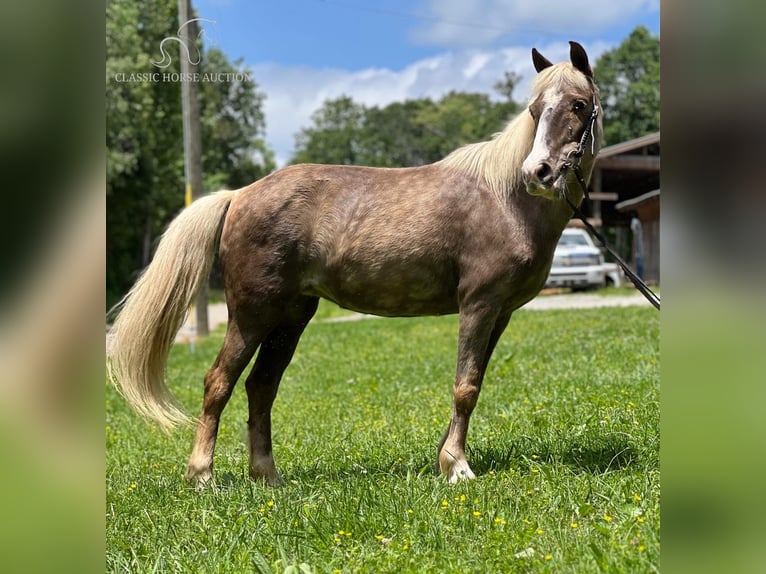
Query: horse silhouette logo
[(167, 59)]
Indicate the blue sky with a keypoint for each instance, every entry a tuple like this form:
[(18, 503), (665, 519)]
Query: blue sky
[(303, 52)]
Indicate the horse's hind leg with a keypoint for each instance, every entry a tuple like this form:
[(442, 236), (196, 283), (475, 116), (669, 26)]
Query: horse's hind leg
[(236, 352), (263, 382)]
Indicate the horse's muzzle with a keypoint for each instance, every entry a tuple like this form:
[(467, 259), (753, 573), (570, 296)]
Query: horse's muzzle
[(541, 179), (540, 174)]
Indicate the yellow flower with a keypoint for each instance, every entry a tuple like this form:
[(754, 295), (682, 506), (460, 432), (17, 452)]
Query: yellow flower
[(641, 548), (607, 518), (270, 503), (539, 531), (636, 497), (548, 557), (574, 525), (640, 519), (476, 513), (499, 520)]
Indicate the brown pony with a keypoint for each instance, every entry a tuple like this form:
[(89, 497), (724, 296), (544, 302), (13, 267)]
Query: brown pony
[(472, 234)]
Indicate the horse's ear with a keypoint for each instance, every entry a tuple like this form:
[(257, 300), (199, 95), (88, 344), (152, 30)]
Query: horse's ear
[(580, 59), (540, 61)]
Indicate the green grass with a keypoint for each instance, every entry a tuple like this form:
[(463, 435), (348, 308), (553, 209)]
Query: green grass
[(564, 440)]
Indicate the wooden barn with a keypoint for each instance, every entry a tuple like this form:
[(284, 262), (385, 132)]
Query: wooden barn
[(625, 194)]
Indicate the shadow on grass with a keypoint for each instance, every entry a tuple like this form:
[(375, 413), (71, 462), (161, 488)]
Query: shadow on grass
[(587, 454), (595, 455), (344, 472)]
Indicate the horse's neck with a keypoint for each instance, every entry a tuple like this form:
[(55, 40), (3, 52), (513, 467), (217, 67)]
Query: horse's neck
[(542, 219)]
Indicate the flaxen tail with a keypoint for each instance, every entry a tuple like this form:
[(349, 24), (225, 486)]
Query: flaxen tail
[(154, 309)]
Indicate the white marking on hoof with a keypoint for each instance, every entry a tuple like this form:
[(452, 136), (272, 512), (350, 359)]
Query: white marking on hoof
[(461, 471), (455, 467)]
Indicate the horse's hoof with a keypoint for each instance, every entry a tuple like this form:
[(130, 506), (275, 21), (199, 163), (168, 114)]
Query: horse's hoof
[(460, 474), (200, 479), (455, 468), (271, 479)]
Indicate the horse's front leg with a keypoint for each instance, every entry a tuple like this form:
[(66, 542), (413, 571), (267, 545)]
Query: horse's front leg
[(480, 329)]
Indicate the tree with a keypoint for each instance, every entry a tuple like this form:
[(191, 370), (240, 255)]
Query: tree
[(459, 118), (506, 86), (409, 133), (144, 146), (336, 134), (145, 173), (233, 125), (629, 80), (392, 134)]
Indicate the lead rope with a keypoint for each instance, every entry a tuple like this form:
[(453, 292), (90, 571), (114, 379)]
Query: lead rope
[(650, 295)]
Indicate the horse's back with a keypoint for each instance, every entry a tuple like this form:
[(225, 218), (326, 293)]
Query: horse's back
[(378, 240)]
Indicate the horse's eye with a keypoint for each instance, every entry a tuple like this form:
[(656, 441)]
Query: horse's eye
[(579, 105)]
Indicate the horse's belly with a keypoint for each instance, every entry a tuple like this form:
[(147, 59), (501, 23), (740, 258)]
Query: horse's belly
[(389, 289)]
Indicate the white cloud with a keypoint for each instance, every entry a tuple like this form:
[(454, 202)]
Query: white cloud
[(457, 23), (293, 94)]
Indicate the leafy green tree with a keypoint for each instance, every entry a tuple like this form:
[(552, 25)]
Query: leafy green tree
[(144, 145), (409, 133), (234, 153), (459, 118), (336, 135), (145, 163), (629, 80), (393, 134)]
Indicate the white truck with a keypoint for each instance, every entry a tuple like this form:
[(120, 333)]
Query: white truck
[(579, 264)]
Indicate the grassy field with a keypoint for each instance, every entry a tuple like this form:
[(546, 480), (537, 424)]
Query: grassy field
[(564, 441)]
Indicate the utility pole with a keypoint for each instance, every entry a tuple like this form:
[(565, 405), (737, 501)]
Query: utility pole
[(192, 140)]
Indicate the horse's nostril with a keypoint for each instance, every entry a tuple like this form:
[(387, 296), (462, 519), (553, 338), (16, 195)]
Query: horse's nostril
[(544, 172)]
